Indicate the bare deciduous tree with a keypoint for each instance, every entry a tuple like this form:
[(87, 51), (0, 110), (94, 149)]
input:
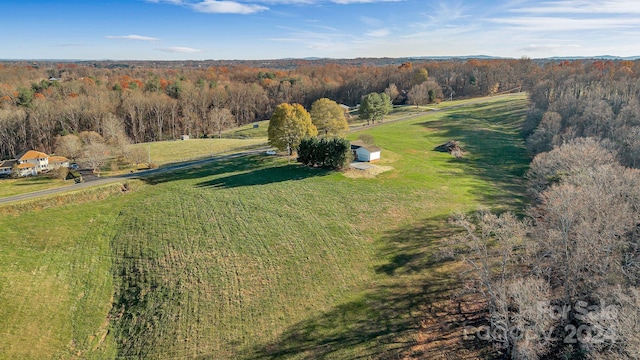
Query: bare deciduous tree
[(94, 156), (571, 158), (219, 119), (69, 146)]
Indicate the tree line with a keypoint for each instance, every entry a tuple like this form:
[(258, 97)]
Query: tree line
[(43, 101), (599, 99), (563, 279)]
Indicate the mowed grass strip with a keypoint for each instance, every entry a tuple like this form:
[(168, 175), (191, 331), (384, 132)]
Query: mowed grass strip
[(11, 187), (164, 152), (250, 251), (56, 282), (257, 258)]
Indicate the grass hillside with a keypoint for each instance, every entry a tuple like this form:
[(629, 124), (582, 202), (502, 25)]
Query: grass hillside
[(10, 187), (163, 152), (160, 152), (257, 258), (250, 131)]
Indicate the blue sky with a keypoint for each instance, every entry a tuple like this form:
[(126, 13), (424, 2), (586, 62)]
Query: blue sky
[(272, 29)]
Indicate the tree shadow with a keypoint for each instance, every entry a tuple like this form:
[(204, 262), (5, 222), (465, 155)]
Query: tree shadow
[(411, 249), (410, 312), (265, 175), (216, 167)]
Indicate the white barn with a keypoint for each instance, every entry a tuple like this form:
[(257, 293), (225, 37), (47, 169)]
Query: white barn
[(365, 152)]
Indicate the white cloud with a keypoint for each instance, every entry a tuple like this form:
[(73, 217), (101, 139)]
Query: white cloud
[(347, 2), (175, 2), (567, 24), (250, 7), (287, 2), (573, 15), (227, 7), (133, 37), (369, 21), (330, 41), (595, 7), (546, 49), (180, 49), (379, 33), (443, 15)]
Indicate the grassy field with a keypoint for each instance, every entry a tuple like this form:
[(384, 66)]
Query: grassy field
[(257, 258), (161, 153), (164, 152), (10, 187), (248, 131)]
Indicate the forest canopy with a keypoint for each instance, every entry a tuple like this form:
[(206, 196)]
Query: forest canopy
[(160, 101)]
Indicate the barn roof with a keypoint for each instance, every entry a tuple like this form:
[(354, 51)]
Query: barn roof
[(361, 144)]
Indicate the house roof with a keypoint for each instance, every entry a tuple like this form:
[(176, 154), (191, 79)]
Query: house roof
[(26, 166), (32, 154), (57, 159), (8, 163), (361, 144)]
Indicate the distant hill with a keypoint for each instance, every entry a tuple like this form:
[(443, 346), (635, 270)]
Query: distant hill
[(598, 57), (290, 63)]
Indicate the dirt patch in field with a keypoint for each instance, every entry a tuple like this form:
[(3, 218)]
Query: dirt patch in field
[(371, 172)]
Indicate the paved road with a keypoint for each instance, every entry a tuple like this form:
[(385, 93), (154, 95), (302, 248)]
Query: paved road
[(139, 174), (188, 164)]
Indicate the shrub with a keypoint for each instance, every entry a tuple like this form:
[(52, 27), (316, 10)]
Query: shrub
[(59, 173), (333, 153)]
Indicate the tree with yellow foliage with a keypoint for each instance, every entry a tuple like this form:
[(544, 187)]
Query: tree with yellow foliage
[(289, 124), (328, 117)]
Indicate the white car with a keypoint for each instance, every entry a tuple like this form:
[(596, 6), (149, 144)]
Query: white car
[(270, 152)]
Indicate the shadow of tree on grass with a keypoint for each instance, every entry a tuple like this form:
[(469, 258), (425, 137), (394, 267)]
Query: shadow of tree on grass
[(264, 175), (410, 313), (243, 163)]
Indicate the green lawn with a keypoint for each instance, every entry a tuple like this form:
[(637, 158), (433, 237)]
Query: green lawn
[(257, 258), (163, 152), (248, 131), (10, 187)]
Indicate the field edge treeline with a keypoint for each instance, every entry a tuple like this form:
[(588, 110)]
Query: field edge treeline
[(39, 102)]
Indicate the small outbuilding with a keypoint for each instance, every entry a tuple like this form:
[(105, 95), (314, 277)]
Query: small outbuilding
[(184, 137), (58, 161), (365, 152), (6, 166)]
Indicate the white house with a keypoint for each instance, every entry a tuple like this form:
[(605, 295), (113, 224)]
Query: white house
[(39, 160), (32, 163), (27, 169), (365, 152)]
